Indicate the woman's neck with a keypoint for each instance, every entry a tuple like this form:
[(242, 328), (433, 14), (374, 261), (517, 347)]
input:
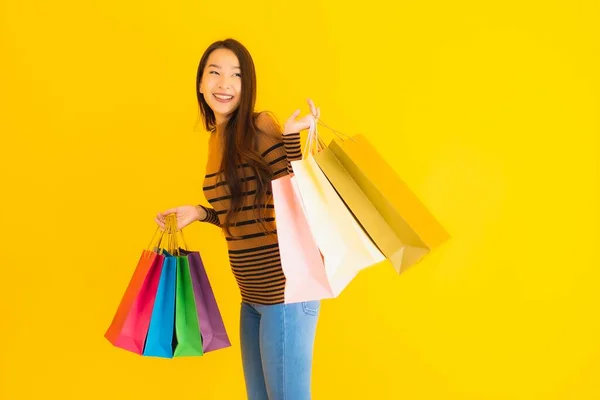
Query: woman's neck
[(220, 127)]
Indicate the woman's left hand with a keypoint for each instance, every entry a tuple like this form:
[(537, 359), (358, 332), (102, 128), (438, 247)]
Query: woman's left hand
[(293, 125)]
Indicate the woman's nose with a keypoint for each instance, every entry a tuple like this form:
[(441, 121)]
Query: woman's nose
[(224, 83)]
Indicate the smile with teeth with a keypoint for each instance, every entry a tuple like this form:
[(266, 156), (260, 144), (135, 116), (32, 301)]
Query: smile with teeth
[(223, 97)]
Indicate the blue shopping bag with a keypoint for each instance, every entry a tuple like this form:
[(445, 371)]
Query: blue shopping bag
[(159, 341)]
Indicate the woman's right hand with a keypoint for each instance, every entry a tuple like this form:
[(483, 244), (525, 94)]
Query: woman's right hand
[(185, 215)]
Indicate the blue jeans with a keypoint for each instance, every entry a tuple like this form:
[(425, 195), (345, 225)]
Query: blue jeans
[(277, 349)]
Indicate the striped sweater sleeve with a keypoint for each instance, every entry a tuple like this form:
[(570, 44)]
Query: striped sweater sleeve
[(293, 151), (277, 149), (211, 216)]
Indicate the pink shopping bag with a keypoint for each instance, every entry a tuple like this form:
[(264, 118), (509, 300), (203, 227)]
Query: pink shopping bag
[(301, 260)]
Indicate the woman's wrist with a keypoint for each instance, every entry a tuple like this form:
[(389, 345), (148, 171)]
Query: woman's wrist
[(289, 131), (201, 211)]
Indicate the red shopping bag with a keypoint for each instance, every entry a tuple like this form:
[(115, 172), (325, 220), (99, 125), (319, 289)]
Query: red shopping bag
[(130, 323)]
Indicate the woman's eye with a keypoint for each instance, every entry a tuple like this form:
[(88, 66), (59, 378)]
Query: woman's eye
[(213, 72), (238, 74)]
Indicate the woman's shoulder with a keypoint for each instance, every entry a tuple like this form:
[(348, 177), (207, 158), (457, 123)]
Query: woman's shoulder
[(266, 123), (268, 129)]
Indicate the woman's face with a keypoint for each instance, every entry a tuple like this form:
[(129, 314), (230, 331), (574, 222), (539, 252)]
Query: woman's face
[(221, 83)]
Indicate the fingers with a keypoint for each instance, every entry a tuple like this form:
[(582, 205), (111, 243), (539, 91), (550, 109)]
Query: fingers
[(294, 115), (161, 215), (315, 111), (163, 226), (160, 218), (311, 104), (169, 211)]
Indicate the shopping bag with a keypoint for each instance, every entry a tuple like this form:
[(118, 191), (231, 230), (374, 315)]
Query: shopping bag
[(345, 246), (212, 327), (416, 232), (301, 260), (188, 341), (384, 237), (159, 341), (129, 326)]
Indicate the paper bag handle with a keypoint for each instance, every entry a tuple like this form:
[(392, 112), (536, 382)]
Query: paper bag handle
[(314, 143)]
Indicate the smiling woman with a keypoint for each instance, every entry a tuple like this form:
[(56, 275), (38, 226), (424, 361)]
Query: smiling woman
[(247, 150), (222, 81)]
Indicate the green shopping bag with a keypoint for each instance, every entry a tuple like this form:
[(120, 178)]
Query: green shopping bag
[(188, 340)]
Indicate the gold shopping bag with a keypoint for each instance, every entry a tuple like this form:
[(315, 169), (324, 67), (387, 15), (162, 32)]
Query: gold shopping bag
[(392, 215)]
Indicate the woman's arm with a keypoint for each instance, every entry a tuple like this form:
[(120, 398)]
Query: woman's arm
[(207, 214), (277, 148)]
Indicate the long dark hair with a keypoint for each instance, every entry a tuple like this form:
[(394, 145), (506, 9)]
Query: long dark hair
[(239, 133)]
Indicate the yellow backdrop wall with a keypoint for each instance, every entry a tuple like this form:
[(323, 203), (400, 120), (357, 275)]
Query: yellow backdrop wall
[(489, 111)]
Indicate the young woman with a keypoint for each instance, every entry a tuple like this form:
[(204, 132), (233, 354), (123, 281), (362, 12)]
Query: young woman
[(247, 150)]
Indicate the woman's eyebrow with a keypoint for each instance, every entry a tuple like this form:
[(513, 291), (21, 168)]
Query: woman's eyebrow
[(217, 66)]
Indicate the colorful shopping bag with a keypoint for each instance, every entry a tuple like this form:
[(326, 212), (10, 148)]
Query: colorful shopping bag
[(301, 260), (416, 232), (159, 341), (188, 341), (212, 328), (343, 243), (130, 323)]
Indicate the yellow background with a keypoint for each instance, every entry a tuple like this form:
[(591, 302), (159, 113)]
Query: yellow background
[(489, 111)]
